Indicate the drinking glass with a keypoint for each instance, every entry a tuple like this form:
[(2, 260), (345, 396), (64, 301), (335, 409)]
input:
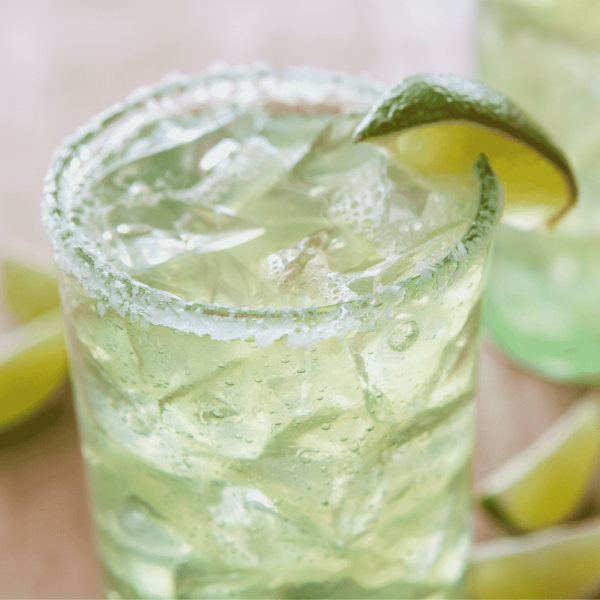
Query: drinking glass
[(273, 335)]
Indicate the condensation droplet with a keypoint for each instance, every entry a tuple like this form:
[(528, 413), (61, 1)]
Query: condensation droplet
[(325, 426), (404, 336), (304, 458)]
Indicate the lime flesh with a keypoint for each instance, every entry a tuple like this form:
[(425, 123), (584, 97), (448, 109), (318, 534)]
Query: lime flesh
[(558, 562), (547, 482), (28, 290), (33, 366), (436, 125)]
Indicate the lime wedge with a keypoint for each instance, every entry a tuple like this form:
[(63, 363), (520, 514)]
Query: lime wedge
[(33, 365), (544, 484), (28, 290), (558, 562), (435, 126)]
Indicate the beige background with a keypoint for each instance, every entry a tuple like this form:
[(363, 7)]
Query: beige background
[(61, 62)]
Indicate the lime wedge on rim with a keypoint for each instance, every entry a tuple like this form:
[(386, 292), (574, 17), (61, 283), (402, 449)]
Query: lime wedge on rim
[(28, 290), (435, 126), (547, 482), (557, 562), (33, 366)]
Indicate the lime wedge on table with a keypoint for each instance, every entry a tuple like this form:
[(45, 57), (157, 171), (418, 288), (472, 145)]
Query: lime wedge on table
[(558, 562), (544, 484), (28, 290), (435, 127), (33, 365)]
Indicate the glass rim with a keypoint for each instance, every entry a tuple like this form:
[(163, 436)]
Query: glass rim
[(77, 256)]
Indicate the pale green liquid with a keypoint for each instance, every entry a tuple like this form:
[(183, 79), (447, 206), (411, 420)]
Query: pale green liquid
[(335, 468), (542, 302)]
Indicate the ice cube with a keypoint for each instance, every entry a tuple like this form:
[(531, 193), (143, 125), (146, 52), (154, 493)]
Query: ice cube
[(244, 507), (237, 523), (305, 275), (228, 411), (300, 271), (135, 525), (407, 199), (333, 150), (288, 212), (189, 415), (326, 421), (458, 360), (348, 252), (166, 153), (404, 377), (240, 172), (367, 203), (328, 267), (358, 196), (414, 261), (214, 277), (137, 577), (380, 205), (284, 128), (152, 580), (384, 272), (409, 490), (421, 543), (145, 236), (218, 153), (253, 533), (251, 182)]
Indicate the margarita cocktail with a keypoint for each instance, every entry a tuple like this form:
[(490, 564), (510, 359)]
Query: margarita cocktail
[(273, 335)]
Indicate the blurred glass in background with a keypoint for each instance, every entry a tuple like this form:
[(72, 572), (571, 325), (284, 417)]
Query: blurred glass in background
[(543, 304)]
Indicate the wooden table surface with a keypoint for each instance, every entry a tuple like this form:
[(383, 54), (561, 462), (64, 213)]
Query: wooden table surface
[(61, 62)]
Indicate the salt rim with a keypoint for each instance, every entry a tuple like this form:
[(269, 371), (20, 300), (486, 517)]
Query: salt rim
[(76, 255)]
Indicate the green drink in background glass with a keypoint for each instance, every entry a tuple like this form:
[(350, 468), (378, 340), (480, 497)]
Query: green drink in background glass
[(273, 337), (543, 303)]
